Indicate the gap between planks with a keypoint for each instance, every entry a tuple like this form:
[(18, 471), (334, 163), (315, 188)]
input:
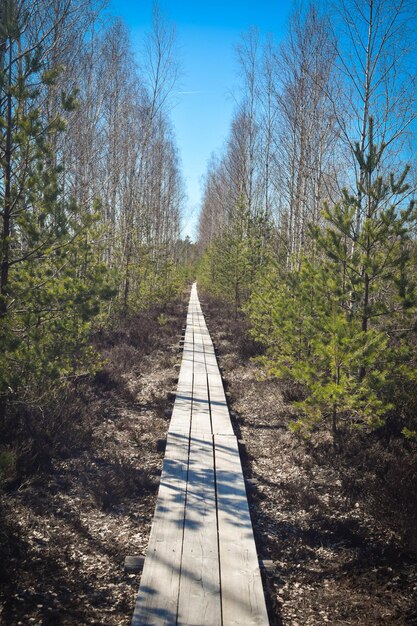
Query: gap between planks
[(201, 565)]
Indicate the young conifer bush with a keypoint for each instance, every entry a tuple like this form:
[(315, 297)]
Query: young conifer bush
[(334, 320)]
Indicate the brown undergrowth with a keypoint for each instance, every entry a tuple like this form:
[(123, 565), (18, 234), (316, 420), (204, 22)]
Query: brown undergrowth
[(336, 525), (339, 525), (81, 494)]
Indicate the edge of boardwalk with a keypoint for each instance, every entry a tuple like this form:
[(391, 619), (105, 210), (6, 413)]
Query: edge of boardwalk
[(201, 565)]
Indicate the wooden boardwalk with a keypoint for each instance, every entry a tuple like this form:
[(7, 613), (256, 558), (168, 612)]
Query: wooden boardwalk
[(201, 566)]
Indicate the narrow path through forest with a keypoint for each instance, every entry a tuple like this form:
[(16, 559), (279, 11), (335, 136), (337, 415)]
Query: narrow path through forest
[(67, 528), (201, 565)]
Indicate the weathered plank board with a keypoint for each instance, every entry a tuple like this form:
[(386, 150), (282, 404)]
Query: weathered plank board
[(220, 416), (199, 599), (157, 600), (243, 599), (201, 566)]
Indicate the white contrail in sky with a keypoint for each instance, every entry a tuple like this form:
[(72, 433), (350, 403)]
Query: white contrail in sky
[(187, 93)]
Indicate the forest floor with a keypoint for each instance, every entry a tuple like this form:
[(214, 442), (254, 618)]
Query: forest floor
[(65, 533), (336, 562)]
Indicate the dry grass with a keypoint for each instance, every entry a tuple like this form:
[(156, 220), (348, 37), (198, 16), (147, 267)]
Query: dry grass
[(340, 524), (81, 491)]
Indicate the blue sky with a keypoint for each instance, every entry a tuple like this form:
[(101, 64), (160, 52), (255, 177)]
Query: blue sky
[(207, 34)]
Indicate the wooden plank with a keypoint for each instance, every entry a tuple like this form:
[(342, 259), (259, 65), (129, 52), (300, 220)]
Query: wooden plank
[(220, 416), (199, 599), (201, 566), (134, 564), (200, 421), (156, 603), (219, 410), (243, 599), (181, 414)]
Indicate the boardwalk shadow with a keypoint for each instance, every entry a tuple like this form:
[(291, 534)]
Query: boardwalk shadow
[(201, 553), (194, 499)]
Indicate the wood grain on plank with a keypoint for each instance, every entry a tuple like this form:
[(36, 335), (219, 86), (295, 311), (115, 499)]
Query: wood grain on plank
[(199, 599), (157, 600), (243, 599)]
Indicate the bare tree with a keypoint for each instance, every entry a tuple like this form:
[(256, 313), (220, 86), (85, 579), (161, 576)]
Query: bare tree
[(120, 149), (248, 52), (375, 41), (306, 141)]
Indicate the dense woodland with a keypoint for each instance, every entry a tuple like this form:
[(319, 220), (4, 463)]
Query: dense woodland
[(91, 193), (307, 228), (308, 221)]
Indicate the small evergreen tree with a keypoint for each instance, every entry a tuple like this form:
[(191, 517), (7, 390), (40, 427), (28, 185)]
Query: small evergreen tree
[(326, 324), (51, 281), (372, 256), (230, 264), (310, 340)]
